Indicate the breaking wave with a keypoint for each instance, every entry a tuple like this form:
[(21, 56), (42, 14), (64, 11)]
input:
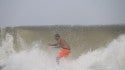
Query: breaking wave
[(110, 57)]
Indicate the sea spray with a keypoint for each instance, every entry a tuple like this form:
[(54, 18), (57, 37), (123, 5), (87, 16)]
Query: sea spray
[(109, 58), (6, 49)]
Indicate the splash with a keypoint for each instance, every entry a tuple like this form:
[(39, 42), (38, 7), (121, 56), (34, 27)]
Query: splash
[(6, 49), (110, 58)]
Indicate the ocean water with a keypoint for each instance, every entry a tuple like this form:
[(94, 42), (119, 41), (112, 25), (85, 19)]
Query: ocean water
[(92, 48)]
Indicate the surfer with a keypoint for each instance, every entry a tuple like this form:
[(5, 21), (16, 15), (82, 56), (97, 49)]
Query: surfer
[(61, 43)]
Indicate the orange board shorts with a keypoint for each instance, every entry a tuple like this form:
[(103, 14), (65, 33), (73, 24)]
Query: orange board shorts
[(64, 53)]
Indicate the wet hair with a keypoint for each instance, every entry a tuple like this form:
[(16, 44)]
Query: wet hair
[(57, 35)]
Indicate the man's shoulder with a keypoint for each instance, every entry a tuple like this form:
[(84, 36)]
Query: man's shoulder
[(61, 39)]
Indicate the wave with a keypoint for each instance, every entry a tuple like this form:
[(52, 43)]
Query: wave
[(110, 57)]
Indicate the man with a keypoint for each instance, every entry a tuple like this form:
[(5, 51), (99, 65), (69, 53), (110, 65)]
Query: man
[(61, 43)]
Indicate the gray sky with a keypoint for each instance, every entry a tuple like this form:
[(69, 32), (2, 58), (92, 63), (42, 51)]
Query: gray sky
[(71, 12)]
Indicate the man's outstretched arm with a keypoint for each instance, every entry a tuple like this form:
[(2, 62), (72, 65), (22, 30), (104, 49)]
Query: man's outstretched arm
[(55, 44)]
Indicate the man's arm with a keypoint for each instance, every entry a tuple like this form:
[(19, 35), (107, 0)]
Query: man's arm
[(55, 44)]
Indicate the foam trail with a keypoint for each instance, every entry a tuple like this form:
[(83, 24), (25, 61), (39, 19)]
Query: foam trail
[(110, 58), (6, 49)]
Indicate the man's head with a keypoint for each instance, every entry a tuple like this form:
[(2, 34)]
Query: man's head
[(57, 36)]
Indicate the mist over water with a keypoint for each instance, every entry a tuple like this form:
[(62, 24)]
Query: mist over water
[(93, 48)]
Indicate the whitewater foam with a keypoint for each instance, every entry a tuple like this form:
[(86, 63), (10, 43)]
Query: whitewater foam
[(6, 49), (110, 58)]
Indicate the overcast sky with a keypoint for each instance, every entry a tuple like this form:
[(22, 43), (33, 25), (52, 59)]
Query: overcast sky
[(71, 12)]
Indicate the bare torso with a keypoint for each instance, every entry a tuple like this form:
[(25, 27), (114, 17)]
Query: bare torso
[(63, 44)]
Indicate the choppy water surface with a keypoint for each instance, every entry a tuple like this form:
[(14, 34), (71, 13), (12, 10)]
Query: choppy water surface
[(93, 48)]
